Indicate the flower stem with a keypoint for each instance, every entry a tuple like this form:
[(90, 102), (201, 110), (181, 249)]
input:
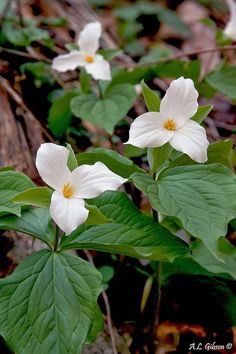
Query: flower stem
[(57, 238), (157, 283)]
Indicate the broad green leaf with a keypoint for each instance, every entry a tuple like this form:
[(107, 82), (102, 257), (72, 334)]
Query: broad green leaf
[(40, 197), (133, 151), (177, 68), (202, 113), (202, 197), (223, 80), (142, 181), (205, 259), (183, 265), (110, 53), (49, 304), (34, 222), (105, 112), (11, 183), (131, 232), (133, 11), (151, 99), (23, 36), (219, 152), (115, 162), (121, 76), (95, 216), (155, 55), (171, 19), (203, 289), (158, 156), (60, 115), (97, 324)]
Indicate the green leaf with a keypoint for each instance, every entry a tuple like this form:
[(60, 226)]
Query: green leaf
[(60, 115), (107, 273), (177, 68), (40, 197), (151, 99), (202, 197), (115, 162), (202, 113), (131, 232), (110, 53), (49, 304), (223, 80), (158, 156), (34, 222), (42, 72), (23, 36), (72, 161), (95, 216), (108, 111), (217, 293), (84, 79), (121, 76), (183, 265), (219, 152), (11, 183), (171, 19), (142, 181), (202, 256), (133, 151), (155, 54)]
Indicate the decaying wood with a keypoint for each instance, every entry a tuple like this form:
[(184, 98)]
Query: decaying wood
[(20, 132)]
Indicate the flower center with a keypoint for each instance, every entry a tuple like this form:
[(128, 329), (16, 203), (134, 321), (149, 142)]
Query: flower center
[(170, 124), (68, 190), (89, 59)]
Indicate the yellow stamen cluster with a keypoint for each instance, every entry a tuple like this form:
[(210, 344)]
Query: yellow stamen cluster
[(170, 124), (89, 59), (68, 190)]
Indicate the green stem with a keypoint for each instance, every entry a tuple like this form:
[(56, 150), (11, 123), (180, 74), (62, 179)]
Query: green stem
[(157, 284), (57, 238), (99, 90)]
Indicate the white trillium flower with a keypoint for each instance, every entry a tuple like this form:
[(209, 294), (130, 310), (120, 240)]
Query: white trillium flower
[(67, 206), (94, 64), (230, 29), (173, 124)]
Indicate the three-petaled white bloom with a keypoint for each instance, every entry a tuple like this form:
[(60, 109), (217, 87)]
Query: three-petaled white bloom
[(71, 188), (173, 124), (94, 64), (230, 29)]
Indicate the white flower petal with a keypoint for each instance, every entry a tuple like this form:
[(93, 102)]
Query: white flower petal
[(230, 29), (191, 139), (99, 69), (69, 61), (69, 213), (180, 101), (88, 40), (51, 162), (91, 180), (148, 131)]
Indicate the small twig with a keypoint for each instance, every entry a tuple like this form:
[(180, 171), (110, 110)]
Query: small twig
[(24, 54), (108, 309), (183, 54), (109, 322)]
